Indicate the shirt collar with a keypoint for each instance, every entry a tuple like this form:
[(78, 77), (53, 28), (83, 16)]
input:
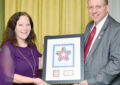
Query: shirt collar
[(100, 24)]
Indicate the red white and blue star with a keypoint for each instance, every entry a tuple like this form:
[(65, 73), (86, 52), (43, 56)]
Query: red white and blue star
[(63, 54)]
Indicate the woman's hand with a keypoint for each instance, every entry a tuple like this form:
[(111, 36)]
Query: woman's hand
[(23, 79), (39, 81)]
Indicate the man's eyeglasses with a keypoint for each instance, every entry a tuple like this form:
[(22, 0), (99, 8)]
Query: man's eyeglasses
[(96, 7)]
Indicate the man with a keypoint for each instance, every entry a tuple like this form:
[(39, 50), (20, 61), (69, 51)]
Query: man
[(102, 58)]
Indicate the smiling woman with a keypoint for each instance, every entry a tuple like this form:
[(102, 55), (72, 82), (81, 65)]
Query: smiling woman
[(19, 54)]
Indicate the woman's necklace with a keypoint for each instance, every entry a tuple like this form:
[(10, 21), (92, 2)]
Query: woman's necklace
[(30, 64)]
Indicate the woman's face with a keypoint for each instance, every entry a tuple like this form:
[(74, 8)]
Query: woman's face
[(23, 28)]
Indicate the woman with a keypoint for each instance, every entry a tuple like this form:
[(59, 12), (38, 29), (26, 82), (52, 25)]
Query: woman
[(19, 55)]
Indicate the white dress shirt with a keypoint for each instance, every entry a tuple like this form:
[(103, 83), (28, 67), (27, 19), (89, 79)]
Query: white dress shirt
[(98, 29)]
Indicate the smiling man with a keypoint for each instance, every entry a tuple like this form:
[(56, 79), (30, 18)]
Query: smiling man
[(102, 46)]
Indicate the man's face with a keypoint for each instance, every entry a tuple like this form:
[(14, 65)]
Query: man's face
[(97, 10)]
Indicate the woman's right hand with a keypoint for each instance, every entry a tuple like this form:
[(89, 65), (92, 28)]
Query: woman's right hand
[(39, 81)]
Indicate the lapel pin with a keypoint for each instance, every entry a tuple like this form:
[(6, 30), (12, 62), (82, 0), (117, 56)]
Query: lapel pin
[(99, 37), (101, 33)]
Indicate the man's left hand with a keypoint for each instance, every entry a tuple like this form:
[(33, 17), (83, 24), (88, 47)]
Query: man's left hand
[(84, 82)]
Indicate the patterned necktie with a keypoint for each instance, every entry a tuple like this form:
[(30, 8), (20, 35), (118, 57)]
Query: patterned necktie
[(89, 42)]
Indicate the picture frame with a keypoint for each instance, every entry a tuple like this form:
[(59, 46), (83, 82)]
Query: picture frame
[(63, 60)]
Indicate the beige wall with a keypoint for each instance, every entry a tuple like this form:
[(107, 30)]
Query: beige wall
[(115, 9)]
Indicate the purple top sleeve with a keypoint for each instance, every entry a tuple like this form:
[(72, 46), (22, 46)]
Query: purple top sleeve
[(36, 51), (6, 66)]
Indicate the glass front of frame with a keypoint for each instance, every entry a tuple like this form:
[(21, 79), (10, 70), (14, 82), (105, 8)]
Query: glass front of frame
[(63, 59)]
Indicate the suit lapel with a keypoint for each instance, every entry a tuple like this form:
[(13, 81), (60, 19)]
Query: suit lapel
[(98, 39), (88, 33)]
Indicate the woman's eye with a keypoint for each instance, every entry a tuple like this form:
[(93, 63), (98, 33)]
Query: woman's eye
[(20, 24), (28, 24)]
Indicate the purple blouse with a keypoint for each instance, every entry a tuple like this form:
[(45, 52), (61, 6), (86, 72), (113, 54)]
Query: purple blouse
[(11, 62)]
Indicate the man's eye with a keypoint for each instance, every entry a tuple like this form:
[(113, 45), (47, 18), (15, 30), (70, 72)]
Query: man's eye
[(98, 7), (90, 7)]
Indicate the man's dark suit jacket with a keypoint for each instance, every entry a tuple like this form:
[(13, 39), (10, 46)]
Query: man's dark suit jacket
[(102, 65)]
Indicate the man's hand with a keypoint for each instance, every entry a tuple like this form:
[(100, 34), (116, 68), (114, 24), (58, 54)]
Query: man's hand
[(82, 83)]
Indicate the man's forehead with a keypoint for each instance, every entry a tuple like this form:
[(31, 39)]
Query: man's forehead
[(96, 2)]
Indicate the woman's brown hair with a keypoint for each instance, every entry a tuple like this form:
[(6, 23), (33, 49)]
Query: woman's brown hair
[(9, 34)]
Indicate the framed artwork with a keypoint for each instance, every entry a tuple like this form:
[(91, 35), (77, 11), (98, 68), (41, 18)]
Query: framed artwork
[(63, 60)]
